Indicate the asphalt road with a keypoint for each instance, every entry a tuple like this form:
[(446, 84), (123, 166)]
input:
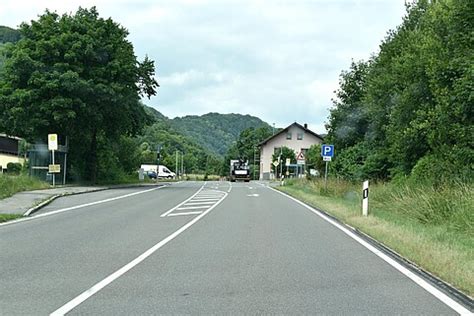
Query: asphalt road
[(221, 248)]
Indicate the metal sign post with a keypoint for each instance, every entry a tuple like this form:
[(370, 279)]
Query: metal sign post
[(365, 198), (327, 152), (53, 145), (276, 163)]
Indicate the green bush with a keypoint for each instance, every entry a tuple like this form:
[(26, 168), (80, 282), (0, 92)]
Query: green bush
[(14, 167)]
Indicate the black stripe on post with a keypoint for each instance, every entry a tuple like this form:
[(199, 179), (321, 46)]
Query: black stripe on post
[(365, 193)]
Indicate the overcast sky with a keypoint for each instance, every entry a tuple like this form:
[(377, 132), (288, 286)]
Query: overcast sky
[(278, 60)]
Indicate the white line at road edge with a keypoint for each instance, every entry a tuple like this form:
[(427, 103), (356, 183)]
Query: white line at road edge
[(415, 278), (99, 286), (81, 206)]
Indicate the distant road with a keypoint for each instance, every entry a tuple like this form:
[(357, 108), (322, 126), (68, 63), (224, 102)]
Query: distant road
[(195, 248)]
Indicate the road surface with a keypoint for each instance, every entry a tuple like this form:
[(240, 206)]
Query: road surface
[(195, 248)]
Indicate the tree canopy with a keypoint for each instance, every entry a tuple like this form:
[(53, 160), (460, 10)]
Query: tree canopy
[(75, 75), (409, 109)]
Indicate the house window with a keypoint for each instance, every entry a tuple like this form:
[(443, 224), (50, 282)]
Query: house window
[(276, 150), (288, 135), (299, 136)]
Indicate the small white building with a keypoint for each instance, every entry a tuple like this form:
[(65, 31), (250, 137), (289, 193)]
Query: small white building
[(296, 136), (9, 147)]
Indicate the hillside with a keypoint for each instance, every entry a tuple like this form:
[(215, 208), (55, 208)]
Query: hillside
[(9, 35), (215, 131)]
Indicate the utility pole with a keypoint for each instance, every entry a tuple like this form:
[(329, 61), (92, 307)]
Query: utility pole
[(176, 169), (279, 158), (254, 162), (182, 164)]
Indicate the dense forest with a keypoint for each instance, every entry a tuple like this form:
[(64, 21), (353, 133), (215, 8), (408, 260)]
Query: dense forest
[(409, 110), (9, 35)]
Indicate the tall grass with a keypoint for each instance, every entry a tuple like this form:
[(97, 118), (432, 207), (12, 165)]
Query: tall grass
[(450, 205), (11, 184)]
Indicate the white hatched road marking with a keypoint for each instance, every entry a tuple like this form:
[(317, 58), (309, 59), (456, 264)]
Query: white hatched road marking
[(117, 274), (191, 208), (200, 203), (204, 198), (185, 213)]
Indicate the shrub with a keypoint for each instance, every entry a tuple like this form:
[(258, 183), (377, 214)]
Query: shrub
[(14, 167)]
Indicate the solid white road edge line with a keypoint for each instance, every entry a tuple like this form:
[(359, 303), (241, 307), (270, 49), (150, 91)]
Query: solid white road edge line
[(100, 285), (187, 213), (24, 219), (171, 210), (415, 278)]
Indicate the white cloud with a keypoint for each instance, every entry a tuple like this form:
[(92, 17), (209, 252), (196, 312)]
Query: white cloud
[(279, 60)]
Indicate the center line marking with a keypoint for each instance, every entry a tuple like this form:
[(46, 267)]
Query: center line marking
[(100, 285)]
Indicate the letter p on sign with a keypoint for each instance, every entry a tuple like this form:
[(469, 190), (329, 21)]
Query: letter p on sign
[(327, 150)]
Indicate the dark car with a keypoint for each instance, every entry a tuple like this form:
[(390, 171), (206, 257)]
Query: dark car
[(151, 174)]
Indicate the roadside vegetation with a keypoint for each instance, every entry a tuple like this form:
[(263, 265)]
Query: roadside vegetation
[(431, 226), (9, 217), (14, 183), (11, 184)]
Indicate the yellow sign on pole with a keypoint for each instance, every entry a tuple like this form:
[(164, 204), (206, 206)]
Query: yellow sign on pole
[(54, 168), (53, 141)]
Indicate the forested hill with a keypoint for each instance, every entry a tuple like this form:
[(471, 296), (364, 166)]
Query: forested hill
[(8, 34), (215, 131)]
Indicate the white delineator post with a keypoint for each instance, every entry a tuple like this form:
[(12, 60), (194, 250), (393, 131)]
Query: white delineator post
[(365, 198)]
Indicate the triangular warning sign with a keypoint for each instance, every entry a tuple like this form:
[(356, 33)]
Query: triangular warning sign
[(300, 156)]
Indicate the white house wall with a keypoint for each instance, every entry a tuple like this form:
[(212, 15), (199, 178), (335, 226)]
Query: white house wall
[(266, 151)]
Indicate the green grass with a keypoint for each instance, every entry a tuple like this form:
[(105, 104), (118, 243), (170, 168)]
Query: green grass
[(202, 177), (11, 184), (9, 217), (432, 227)]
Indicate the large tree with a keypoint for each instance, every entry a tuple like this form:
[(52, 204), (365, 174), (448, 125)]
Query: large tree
[(409, 110), (75, 75)]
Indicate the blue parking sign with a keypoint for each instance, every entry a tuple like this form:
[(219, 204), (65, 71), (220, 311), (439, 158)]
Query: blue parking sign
[(327, 150)]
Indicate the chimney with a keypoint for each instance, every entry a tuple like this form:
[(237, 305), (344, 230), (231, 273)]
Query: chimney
[(305, 126)]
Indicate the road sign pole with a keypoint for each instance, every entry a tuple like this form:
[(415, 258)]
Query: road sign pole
[(177, 172), (326, 177), (54, 174)]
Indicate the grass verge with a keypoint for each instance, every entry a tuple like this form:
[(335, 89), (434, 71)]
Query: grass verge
[(11, 184), (432, 227), (9, 217)]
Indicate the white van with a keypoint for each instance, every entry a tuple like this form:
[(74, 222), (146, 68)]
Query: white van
[(163, 171)]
